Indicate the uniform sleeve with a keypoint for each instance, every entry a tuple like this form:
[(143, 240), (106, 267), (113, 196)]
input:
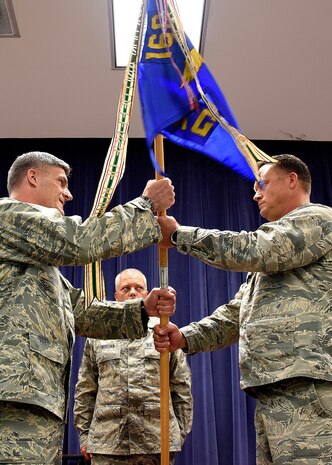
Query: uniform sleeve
[(298, 239), (216, 331), (85, 393), (39, 235), (108, 319), (180, 387)]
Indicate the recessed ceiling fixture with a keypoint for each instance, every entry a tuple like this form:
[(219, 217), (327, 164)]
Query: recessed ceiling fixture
[(8, 25), (124, 17)]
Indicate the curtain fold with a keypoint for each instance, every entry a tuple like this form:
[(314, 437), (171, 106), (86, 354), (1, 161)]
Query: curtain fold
[(208, 195)]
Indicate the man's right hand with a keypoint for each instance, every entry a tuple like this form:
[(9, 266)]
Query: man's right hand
[(169, 338), (85, 454), (161, 193)]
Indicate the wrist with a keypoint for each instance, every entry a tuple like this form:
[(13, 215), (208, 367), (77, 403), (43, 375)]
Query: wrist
[(183, 343), (144, 315), (148, 200), (174, 237)]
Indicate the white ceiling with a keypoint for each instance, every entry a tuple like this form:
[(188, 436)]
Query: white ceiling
[(271, 58)]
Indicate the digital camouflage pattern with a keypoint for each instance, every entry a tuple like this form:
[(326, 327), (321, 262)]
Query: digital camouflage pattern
[(41, 235), (117, 397), (282, 315), (146, 459), (40, 311), (294, 423), (29, 435)]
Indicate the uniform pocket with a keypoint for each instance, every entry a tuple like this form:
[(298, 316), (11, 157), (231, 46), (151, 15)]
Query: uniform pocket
[(108, 358), (47, 364), (324, 396), (271, 340), (152, 366)]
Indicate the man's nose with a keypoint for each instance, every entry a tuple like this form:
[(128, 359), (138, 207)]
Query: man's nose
[(257, 196), (67, 195)]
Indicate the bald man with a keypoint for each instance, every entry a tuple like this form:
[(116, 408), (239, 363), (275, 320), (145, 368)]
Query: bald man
[(117, 399)]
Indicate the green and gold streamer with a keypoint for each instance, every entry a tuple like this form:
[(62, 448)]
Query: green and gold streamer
[(115, 160)]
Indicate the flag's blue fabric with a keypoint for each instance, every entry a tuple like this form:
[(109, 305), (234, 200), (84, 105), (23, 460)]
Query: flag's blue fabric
[(165, 104)]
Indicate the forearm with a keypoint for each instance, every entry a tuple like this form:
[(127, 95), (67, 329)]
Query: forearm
[(213, 332), (180, 385), (39, 235), (124, 230), (289, 243), (82, 419), (110, 319), (86, 390)]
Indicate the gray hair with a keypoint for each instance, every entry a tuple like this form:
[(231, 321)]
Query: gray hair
[(129, 271), (29, 160)]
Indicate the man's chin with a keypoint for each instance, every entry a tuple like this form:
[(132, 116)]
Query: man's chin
[(264, 214), (61, 210)]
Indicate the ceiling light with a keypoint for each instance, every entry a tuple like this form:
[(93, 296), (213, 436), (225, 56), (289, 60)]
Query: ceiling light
[(8, 25), (124, 16)]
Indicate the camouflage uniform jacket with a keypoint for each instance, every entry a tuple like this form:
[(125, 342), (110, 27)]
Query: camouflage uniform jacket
[(282, 315), (117, 400), (40, 311)]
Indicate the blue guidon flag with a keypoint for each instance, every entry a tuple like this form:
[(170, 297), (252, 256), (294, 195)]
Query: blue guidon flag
[(180, 98)]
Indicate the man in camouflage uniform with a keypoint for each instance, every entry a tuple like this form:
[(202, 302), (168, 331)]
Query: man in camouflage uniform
[(281, 315), (117, 397), (40, 311)]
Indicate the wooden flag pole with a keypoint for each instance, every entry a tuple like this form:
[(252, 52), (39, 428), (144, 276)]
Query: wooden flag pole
[(164, 359)]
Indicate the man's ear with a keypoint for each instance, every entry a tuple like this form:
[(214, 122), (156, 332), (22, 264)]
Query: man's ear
[(32, 177), (293, 180)]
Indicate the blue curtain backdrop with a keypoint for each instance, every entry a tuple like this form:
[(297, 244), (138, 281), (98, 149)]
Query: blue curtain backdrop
[(208, 195)]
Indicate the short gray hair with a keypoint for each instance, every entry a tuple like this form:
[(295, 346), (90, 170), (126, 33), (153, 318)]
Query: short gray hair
[(29, 160), (130, 271)]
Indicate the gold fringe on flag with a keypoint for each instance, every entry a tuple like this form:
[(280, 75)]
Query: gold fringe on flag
[(246, 147)]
